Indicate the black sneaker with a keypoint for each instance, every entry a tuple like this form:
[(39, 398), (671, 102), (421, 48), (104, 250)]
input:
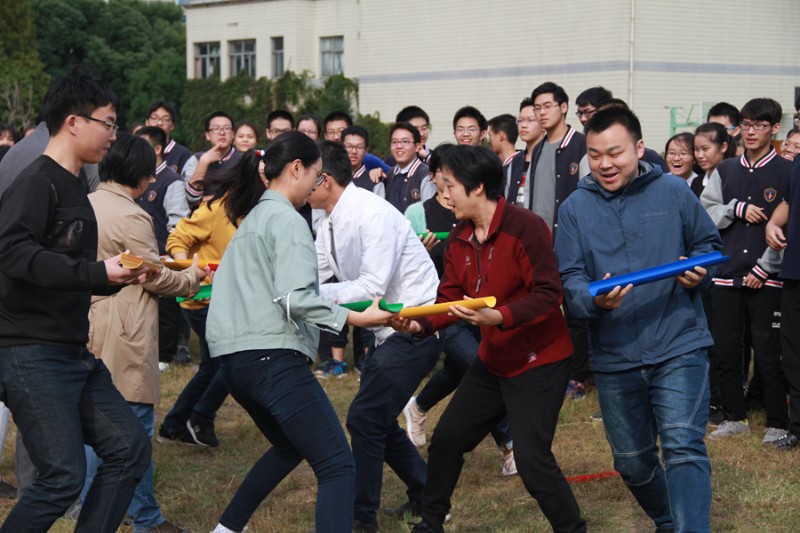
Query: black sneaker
[(361, 527), (7, 491), (408, 509), (424, 527), (716, 416), (173, 434), (787, 443), (202, 434), (183, 357)]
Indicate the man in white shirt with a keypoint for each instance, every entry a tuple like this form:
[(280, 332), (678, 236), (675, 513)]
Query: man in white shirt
[(369, 246)]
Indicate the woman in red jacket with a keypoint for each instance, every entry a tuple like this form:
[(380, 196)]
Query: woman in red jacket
[(504, 251)]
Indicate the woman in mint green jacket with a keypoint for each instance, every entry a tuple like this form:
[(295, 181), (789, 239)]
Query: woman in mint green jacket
[(263, 324)]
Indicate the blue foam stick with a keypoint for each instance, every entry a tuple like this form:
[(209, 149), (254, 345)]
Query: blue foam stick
[(658, 273)]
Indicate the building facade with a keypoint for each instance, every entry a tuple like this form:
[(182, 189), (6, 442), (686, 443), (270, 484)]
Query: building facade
[(668, 60)]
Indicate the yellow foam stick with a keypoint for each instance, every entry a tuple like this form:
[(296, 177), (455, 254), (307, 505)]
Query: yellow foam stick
[(443, 308), (133, 262), (183, 264)]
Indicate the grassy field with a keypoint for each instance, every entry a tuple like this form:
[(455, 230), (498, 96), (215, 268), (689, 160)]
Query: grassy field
[(755, 490)]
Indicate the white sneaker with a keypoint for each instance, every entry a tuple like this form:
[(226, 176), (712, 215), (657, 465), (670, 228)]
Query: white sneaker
[(163, 367), (509, 464), (771, 435), (729, 428), (415, 422)]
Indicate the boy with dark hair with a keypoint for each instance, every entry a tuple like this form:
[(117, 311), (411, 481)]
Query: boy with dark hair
[(356, 143), (409, 181), (417, 117), (648, 344), (162, 115), (278, 121), (203, 170), (63, 397), (589, 100), (740, 197), (518, 170), (333, 126), (503, 136), (469, 126), (727, 115)]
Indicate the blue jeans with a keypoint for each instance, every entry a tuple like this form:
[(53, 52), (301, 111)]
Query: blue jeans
[(287, 403), (460, 350), (61, 397), (202, 397), (667, 401), (144, 508), (390, 374)]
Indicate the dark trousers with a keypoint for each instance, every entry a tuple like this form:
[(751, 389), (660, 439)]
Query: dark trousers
[(62, 397), (761, 308), (579, 365), (169, 317), (713, 377), (390, 374), (460, 350), (288, 405), (532, 400), (202, 397), (790, 343)]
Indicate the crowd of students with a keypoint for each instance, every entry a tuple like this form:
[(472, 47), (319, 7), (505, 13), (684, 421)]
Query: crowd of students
[(315, 220)]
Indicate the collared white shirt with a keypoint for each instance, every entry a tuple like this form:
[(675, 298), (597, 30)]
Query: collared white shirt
[(377, 254)]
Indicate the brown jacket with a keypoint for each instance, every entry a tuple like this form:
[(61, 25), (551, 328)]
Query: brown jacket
[(123, 329)]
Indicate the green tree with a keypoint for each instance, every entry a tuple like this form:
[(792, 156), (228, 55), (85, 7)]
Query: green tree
[(23, 81)]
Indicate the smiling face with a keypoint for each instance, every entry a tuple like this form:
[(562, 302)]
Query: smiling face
[(356, 150), (708, 153), (245, 138), (791, 147), (403, 147), (468, 132), (220, 130), (422, 126), (614, 157), (680, 158)]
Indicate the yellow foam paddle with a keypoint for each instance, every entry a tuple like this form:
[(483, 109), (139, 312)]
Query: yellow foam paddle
[(444, 308), (133, 262), (183, 264)]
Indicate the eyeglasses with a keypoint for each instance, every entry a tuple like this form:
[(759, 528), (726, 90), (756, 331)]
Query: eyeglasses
[(401, 142), (110, 126), (220, 129), (320, 179), (530, 121), (355, 147), (278, 131), (757, 126), (731, 129), (546, 107), (423, 129), (585, 113), (797, 120), (471, 129), (166, 119), (678, 154), (337, 131)]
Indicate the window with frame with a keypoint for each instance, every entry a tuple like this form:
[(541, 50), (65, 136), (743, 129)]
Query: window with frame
[(332, 55), (242, 57), (277, 57), (206, 60)]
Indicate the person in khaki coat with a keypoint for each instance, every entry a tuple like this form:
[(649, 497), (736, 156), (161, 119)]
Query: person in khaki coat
[(123, 329)]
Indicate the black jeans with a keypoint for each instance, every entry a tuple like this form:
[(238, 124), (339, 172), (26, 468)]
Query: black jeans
[(761, 308), (532, 400), (790, 344)]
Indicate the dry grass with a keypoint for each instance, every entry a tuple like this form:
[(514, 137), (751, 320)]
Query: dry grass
[(755, 490)]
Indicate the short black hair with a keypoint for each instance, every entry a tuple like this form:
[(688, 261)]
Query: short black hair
[(724, 109), (593, 96), (79, 94), (507, 124), (129, 159), (412, 111), (793, 131), (685, 138), (472, 166), (358, 131), (216, 114), (335, 162), (470, 112), (246, 124), (337, 115), (280, 113), (609, 116), (614, 102), (717, 134), (762, 109), (169, 108), (559, 94), (435, 162), (526, 102), (312, 118), (156, 135), (408, 127)]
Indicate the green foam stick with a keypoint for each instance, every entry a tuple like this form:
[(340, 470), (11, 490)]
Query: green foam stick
[(441, 235), (203, 294), (362, 306)]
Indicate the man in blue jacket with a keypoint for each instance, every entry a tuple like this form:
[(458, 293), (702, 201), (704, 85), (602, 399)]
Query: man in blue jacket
[(647, 345)]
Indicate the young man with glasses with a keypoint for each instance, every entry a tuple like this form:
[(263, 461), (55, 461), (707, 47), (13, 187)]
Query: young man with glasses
[(356, 143), (588, 101), (279, 121), (162, 115), (62, 396), (517, 174), (409, 181), (203, 170), (417, 117), (727, 115), (469, 126), (740, 197)]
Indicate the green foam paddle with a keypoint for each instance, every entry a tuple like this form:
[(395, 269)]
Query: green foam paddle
[(441, 235), (362, 306), (203, 294)]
